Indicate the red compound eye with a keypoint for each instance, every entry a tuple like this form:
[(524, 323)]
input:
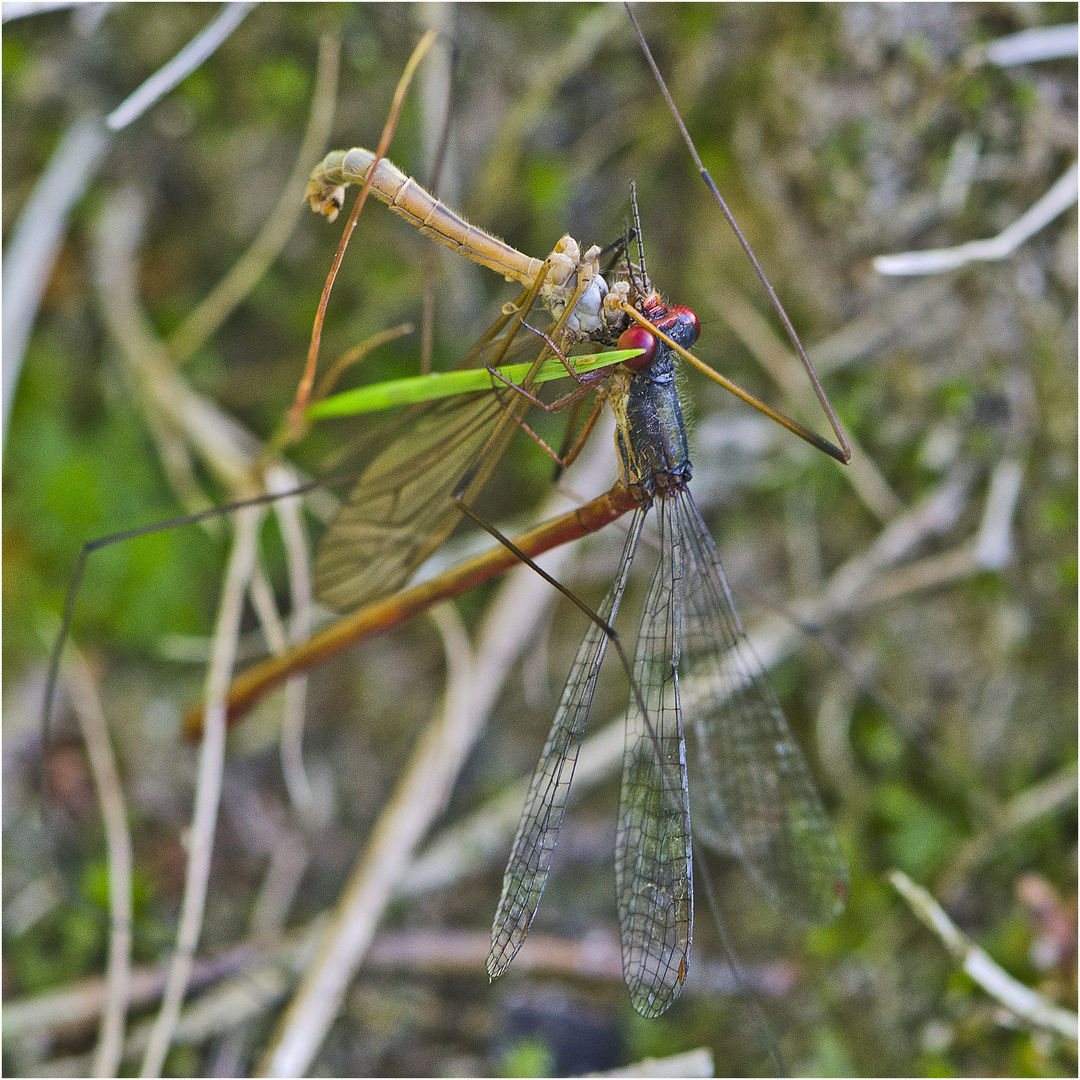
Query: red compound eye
[(637, 337), (687, 317)]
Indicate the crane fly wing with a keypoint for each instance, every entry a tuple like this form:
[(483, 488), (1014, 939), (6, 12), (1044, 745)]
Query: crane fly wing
[(530, 858), (753, 793), (653, 865), (402, 508)]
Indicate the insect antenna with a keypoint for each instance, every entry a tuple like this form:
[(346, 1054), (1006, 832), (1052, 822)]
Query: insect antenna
[(611, 254), (644, 285)]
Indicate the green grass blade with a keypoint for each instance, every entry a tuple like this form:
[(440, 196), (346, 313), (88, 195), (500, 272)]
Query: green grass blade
[(411, 391)]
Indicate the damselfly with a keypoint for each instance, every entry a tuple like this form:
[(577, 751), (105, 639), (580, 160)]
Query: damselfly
[(701, 705)]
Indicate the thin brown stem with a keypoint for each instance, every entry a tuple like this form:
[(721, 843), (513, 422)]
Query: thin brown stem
[(257, 681), (303, 392)]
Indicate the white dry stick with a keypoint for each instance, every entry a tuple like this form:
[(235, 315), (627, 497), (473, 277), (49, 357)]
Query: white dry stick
[(35, 239), (87, 706), (289, 859), (301, 794), (230, 1006), (18, 9), (279, 480), (227, 448), (933, 515), (865, 337), (262, 600), (1042, 798), (690, 1063), (975, 962), (994, 547), (1056, 201), (81, 1003), (989, 549), (1038, 43), (179, 67), (421, 794), (299, 563), (959, 173), (208, 790), (930, 572)]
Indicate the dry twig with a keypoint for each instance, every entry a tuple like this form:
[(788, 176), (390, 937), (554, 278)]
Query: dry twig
[(87, 705)]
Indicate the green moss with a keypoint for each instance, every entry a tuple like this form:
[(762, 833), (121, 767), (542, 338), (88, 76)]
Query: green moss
[(527, 1057)]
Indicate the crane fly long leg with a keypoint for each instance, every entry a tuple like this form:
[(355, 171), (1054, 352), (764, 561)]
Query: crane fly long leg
[(753, 795), (530, 858), (653, 858), (842, 453)]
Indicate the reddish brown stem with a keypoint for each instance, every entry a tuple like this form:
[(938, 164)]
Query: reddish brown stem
[(253, 684)]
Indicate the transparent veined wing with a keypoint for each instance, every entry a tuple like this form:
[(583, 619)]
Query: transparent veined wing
[(402, 508), (653, 859), (752, 791), (541, 819)]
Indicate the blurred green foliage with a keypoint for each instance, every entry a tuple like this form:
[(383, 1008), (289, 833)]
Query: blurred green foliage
[(527, 1057)]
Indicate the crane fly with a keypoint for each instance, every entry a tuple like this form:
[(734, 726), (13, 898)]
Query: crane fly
[(408, 498)]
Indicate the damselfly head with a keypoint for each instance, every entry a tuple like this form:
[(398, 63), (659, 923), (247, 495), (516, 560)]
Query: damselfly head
[(682, 324), (677, 321)]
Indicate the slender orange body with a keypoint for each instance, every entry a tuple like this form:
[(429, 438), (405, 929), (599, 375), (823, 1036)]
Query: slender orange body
[(420, 208)]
